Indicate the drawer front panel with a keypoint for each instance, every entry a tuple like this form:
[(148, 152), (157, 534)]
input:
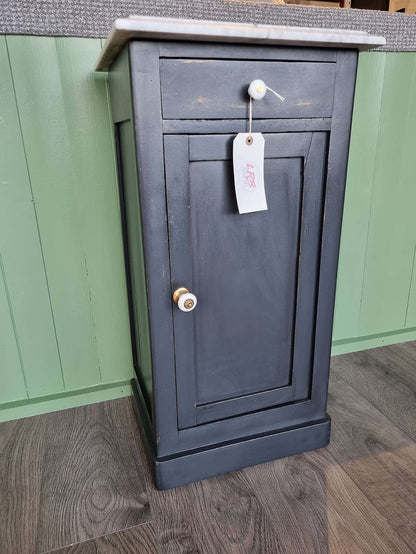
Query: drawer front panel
[(217, 89)]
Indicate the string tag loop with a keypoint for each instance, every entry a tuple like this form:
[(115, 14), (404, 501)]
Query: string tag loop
[(248, 158), (257, 90)]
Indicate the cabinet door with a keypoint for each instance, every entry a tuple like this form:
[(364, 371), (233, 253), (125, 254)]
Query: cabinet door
[(248, 344)]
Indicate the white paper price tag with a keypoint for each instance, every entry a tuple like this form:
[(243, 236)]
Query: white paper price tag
[(248, 162)]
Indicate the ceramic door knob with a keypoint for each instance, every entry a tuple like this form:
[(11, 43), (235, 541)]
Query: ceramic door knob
[(185, 300)]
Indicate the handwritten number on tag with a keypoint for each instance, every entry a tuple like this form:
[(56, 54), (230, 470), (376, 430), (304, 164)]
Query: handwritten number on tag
[(248, 163)]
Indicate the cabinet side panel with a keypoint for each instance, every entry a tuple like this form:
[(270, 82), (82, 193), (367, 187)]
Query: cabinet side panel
[(133, 251), (145, 86), (334, 200), (120, 88), (121, 104)]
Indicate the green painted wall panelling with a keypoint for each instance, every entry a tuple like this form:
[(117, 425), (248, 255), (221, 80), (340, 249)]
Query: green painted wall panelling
[(64, 335), (358, 194), (392, 223), (376, 294), (65, 316)]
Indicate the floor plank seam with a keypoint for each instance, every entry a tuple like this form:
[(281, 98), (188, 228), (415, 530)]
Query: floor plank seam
[(57, 549), (400, 429), (382, 516), (43, 469)]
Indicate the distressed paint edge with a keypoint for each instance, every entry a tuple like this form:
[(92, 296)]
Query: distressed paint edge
[(62, 401)]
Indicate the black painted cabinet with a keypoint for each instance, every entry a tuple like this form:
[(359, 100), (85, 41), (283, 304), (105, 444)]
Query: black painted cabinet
[(242, 378)]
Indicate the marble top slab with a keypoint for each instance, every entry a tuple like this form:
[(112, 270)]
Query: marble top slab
[(144, 27)]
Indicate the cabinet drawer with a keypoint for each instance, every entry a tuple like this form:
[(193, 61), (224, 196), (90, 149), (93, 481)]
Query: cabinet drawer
[(217, 89)]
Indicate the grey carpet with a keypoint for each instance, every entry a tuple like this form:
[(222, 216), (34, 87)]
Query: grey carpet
[(93, 18)]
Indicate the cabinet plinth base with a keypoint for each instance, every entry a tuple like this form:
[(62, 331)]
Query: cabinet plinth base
[(188, 467)]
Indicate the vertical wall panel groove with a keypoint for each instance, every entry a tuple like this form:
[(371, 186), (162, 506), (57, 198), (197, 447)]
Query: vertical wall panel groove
[(410, 176), (359, 186), (13, 383), (392, 223), (21, 253), (411, 308), (11, 371), (95, 186), (39, 94), (411, 302)]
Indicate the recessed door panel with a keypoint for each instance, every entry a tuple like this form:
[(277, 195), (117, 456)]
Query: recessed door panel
[(244, 271), (254, 275)]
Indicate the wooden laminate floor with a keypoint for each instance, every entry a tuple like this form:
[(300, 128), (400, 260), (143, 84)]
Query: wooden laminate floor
[(77, 481)]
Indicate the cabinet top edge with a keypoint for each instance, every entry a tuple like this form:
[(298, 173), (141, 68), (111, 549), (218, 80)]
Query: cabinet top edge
[(144, 27)]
